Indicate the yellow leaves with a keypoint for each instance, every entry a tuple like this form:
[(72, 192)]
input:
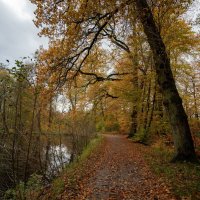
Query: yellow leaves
[(179, 36), (72, 26)]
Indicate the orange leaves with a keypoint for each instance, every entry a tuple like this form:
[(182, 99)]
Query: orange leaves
[(116, 170)]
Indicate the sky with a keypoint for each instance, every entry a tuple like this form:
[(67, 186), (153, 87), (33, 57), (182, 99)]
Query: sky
[(18, 34), (194, 13)]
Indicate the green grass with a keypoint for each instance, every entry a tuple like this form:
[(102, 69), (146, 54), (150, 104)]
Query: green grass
[(79, 161), (58, 184), (184, 178), (68, 177), (58, 187)]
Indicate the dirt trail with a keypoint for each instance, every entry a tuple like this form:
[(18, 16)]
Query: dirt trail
[(118, 171)]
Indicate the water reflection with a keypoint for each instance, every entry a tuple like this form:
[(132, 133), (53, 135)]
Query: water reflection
[(48, 155), (59, 156)]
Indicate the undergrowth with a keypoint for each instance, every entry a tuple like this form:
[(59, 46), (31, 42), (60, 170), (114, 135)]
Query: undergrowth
[(184, 178), (34, 188)]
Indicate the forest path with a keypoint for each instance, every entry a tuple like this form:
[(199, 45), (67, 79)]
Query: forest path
[(118, 171)]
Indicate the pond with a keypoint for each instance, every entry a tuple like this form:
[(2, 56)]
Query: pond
[(48, 155), (59, 156)]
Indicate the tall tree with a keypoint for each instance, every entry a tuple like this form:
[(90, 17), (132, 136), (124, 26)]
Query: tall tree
[(76, 28), (181, 131)]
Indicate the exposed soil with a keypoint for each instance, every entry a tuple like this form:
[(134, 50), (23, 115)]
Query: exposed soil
[(117, 171)]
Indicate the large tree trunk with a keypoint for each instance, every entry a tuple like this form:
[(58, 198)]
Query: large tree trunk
[(181, 132)]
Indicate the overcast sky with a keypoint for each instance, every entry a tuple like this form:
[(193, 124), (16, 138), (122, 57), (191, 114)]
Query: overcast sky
[(18, 34)]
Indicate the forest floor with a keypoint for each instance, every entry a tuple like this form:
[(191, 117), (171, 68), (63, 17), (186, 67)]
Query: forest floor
[(116, 170)]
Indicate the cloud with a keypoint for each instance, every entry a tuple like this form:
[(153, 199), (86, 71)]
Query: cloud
[(18, 35)]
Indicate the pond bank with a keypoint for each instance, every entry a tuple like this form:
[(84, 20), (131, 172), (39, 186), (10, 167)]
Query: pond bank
[(115, 170), (68, 176), (46, 161)]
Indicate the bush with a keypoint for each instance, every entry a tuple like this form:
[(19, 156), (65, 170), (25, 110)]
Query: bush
[(58, 186), (28, 191), (141, 136)]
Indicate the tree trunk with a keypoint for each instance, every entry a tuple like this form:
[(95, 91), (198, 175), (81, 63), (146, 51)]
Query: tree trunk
[(134, 114), (152, 109), (133, 128), (178, 119), (147, 107), (30, 138), (195, 99), (5, 127)]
